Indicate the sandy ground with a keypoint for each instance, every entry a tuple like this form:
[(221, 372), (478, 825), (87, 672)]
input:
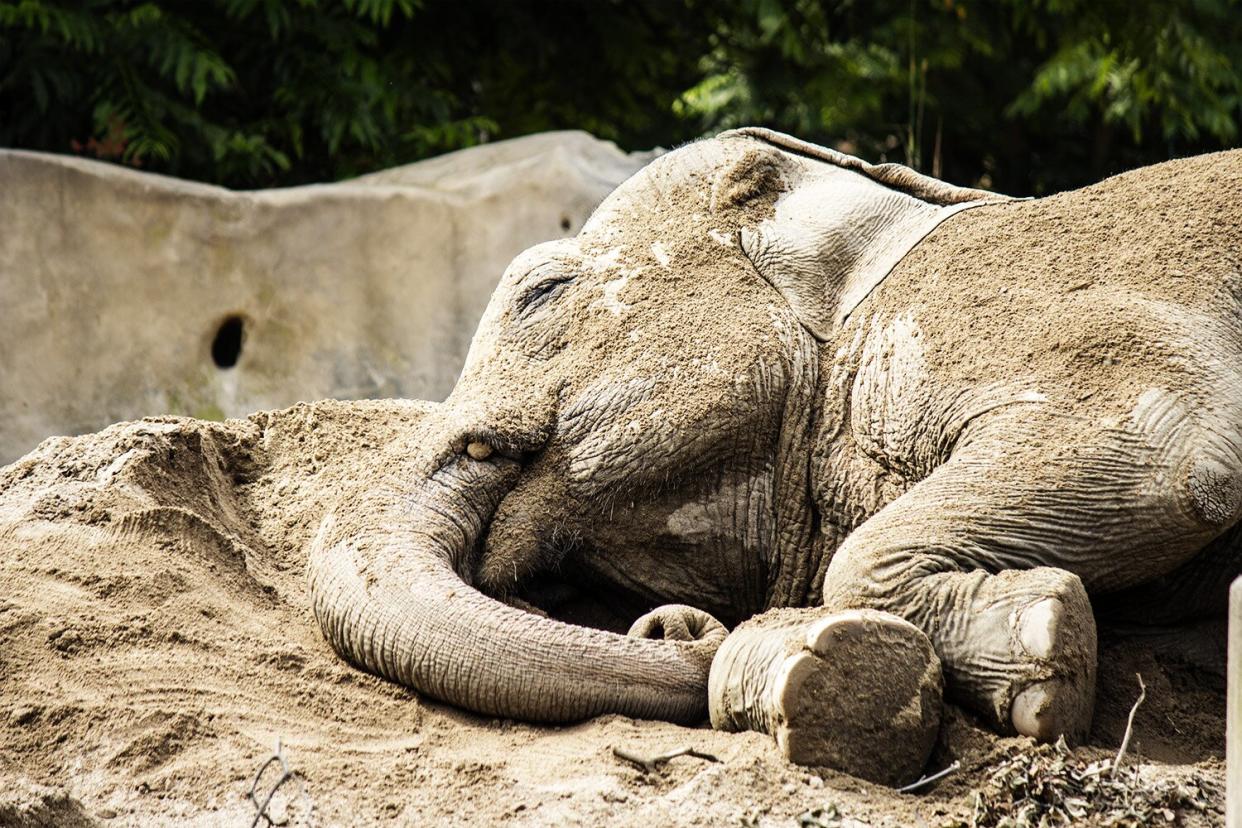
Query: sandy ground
[(156, 639)]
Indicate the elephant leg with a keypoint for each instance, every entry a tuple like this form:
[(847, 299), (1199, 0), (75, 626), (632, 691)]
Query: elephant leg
[(1197, 590), (991, 555), (1182, 615), (859, 691)]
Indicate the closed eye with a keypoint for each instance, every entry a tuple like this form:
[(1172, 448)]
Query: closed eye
[(541, 293)]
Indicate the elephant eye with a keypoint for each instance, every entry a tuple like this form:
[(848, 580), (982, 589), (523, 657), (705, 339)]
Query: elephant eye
[(541, 293)]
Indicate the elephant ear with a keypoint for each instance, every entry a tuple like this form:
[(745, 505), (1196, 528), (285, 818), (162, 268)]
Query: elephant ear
[(841, 225)]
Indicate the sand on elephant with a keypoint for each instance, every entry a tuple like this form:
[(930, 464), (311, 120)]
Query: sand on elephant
[(156, 636)]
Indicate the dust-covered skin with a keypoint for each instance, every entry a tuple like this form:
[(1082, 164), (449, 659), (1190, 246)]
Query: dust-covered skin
[(713, 397)]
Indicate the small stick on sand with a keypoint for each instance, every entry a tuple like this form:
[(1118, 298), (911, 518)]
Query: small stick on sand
[(1125, 740), (927, 780), (649, 765), (277, 757)]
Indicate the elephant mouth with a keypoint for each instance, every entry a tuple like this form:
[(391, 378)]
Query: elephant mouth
[(555, 580), (547, 573), (570, 598)]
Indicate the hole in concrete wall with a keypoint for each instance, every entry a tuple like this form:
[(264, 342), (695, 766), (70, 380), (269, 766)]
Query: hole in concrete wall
[(226, 348), (566, 223)]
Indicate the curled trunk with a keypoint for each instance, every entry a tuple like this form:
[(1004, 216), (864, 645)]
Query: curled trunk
[(391, 598)]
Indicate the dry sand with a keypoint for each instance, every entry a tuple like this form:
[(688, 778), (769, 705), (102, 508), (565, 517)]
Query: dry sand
[(156, 639)]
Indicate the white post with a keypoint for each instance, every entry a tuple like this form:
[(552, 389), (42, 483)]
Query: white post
[(1233, 712)]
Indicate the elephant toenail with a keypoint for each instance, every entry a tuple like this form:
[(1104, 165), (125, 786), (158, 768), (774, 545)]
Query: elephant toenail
[(1033, 712), (821, 634), (1038, 627), (786, 692)]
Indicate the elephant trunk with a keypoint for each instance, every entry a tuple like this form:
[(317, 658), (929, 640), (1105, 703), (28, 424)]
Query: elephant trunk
[(392, 598)]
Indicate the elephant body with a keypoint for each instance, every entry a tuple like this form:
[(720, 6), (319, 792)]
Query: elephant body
[(767, 375)]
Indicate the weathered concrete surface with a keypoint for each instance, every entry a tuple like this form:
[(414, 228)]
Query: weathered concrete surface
[(114, 283)]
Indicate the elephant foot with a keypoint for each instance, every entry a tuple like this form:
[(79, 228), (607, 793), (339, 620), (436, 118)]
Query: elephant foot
[(1037, 645), (857, 691), (1058, 633)]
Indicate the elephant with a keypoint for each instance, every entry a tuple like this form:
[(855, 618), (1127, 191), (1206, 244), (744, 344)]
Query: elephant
[(738, 407)]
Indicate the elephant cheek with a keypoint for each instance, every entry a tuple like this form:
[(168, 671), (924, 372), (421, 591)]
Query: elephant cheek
[(527, 535)]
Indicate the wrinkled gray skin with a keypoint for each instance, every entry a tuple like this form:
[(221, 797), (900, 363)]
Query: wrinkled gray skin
[(693, 403)]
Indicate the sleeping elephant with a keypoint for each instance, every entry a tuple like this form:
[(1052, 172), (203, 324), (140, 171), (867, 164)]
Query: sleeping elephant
[(715, 403)]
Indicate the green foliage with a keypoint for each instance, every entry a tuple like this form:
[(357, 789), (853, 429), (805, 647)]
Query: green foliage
[(264, 92), (1171, 67), (1027, 96)]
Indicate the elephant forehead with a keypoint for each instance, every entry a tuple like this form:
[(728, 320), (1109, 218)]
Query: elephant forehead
[(611, 291), (686, 187)]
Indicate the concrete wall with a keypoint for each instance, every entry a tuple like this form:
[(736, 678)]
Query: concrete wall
[(115, 283)]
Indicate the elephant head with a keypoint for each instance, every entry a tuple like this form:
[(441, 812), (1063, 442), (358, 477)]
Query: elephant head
[(637, 410)]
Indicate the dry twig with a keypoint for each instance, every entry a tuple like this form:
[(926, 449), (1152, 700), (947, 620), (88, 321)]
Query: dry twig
[(649, 765), (1125, 740), (277, 757), (927, 780)]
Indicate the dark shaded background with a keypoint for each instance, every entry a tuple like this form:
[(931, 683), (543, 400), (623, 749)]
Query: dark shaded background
[(1023, 96)]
